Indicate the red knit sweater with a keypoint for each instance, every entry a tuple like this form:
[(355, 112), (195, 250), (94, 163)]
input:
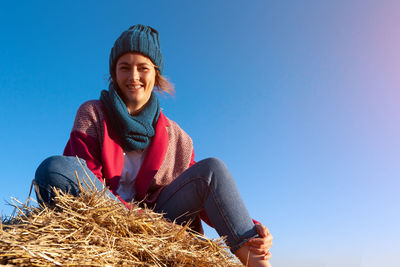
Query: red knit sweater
[(94, 140)]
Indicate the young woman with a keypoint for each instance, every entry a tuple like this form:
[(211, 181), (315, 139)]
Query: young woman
[(128, 144)]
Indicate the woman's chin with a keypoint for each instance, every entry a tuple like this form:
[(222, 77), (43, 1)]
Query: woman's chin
[(135, 107)]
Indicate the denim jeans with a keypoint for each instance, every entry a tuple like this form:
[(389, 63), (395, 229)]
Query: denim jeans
[(59, 172), (206, 185)]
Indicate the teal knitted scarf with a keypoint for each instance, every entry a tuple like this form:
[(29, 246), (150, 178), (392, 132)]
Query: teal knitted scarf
[(135, 131)]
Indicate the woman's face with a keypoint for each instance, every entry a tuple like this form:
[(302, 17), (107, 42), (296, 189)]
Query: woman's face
[(135, 75)]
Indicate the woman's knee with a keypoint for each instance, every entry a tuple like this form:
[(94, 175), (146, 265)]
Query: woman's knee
[(219, 173), (57, 171), (215, 164), (51, 167), (46, 167)]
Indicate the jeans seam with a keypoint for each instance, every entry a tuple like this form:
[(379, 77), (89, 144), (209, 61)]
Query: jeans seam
[(229, 226)]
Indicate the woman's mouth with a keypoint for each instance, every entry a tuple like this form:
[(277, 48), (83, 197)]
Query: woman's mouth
[(134, 87)]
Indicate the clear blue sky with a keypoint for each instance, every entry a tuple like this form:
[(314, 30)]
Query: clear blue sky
[(299, 98)]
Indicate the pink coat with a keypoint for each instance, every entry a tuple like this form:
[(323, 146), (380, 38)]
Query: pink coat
[(94, 140)]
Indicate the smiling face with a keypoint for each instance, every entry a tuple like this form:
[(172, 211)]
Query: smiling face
[(135, 76)]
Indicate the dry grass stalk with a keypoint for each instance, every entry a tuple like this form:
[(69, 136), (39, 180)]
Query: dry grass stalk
[(95, 230)]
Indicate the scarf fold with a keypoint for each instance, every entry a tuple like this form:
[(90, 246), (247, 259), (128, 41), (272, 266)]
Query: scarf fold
[(135, 131)]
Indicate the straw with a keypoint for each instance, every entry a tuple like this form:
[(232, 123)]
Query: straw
[(93, 229)]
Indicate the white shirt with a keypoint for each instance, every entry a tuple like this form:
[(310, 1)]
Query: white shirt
[(132, 162)]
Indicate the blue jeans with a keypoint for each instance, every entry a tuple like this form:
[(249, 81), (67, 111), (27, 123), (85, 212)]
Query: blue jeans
[(59, 172), (206, 185)]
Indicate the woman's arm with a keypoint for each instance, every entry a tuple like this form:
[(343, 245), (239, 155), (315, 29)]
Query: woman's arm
[(84, 141)]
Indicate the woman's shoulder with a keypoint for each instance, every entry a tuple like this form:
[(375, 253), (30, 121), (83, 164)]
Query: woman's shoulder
[(89, 114), (91, 109), (173, 124), (90, 106), (176, 130)]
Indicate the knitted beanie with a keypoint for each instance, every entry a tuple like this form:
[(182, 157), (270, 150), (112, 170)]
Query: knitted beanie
[(138, 38)]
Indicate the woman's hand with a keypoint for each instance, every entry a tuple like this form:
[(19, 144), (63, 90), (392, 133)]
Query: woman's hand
[(261, 245)]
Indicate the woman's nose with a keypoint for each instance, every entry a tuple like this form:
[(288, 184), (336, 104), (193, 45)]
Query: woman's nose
[(135, 74)]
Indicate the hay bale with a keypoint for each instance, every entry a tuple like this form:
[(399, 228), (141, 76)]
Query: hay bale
[(95, 230)]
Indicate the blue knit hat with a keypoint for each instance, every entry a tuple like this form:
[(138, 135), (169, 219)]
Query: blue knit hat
[(138, 38)]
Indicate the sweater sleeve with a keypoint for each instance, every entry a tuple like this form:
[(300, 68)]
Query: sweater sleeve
[(86, 136)]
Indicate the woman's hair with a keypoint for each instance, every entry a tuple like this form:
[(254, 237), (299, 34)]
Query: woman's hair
[(163, 85)]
